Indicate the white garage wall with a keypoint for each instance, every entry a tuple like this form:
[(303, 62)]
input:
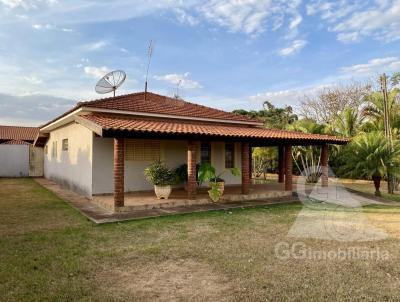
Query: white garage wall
[(174, 153), (73, 168), (14, 160)]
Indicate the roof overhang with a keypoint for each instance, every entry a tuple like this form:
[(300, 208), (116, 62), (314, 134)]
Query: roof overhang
[(120, 126)]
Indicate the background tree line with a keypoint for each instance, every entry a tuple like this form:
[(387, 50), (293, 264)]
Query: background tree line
[(354, 110)]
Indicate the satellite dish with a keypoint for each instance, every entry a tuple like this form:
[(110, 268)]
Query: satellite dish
[(110, 82)]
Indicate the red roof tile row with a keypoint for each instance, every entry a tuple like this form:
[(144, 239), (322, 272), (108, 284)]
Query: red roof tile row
[(18, 133), (113, 122), (15, 142), (159, 104)]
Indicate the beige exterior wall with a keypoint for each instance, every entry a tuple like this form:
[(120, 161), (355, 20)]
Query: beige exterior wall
[(174, 153), (71, 168)]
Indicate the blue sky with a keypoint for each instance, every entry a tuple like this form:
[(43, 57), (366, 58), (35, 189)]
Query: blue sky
[(226, 54)]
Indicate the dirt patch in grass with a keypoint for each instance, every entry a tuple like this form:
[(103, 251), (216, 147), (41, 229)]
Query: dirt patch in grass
[(171, 280)]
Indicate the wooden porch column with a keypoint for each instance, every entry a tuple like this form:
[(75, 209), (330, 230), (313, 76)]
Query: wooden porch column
[(324, 165), (245, 168), (191, 163), (119, 162), (288, 168), (281, 164)]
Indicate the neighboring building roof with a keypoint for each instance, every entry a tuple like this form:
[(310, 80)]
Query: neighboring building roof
[(152, 104), (113, 122), (14, 142), (18, 133)]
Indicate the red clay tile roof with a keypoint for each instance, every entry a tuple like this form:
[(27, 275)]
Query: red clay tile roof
[(14, 142), (112, 122), (159, 104), (18, 133)]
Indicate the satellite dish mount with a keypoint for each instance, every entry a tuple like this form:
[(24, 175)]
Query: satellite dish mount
[(110, 82)]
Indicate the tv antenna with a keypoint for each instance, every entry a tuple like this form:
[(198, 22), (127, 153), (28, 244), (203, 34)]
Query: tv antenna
[(176, 95), (110, 82), (149, 55)]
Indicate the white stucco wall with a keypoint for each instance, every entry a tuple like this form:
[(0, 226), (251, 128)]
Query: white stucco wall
[(72, 168), (218, 161), (14, 160), (172, 152)]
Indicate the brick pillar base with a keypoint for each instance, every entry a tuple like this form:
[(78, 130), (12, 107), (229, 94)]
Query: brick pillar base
[(245, 168), (324, 165), (288, 168), (191, 163), (119, 161), (281, 164)]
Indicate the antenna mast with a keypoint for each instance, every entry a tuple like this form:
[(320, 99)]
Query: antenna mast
[(149, 55), (177, 89)]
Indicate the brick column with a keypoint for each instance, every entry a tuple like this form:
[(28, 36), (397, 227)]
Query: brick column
[(119, 161), (191, 163), (324, 165), (245, 168), (288, 167), (281, 164)]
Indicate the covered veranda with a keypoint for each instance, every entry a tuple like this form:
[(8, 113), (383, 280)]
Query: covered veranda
[(120, 128)]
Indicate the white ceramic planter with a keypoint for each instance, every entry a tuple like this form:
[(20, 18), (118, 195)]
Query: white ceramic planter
[(162, 192), (221, 185)]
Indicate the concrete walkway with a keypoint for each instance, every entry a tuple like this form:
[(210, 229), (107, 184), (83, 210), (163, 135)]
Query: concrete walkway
[(100, 215)]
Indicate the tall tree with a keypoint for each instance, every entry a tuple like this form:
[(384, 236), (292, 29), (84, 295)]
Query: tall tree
[(370, 156), (326, 105), (273, 117)]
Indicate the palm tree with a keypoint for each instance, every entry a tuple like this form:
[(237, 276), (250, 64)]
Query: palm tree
[(373, 111), (370, 156), (307, 158), (347, 123)]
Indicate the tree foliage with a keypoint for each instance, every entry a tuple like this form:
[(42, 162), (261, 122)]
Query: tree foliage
[(273, 117), (326, 105)]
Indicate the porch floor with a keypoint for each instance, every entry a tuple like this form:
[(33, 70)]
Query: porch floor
[(145, 200)]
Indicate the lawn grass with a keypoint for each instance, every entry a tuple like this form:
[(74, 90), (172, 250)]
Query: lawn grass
[(368, 187), (49, 252)]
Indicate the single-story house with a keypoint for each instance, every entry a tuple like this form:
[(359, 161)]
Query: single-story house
[(18, 157), (103, 146)]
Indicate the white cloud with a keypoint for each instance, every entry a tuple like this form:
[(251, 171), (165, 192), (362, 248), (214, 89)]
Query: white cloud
[(26, 4), (246, 15), (51, 27), (96, 72), (95, 45), (353, 21), (387, 64), (184, 17), (31, 110), (16, 3), (32, 79), (252, 16), (296, 46), (181, 79)]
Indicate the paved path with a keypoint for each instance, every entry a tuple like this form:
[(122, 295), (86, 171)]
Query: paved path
[(99, 215)]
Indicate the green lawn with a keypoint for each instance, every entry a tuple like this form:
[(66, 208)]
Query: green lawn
[(49, 252), (368, 187)]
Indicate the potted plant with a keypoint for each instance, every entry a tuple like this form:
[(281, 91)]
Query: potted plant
[(162, 177), (207, 173), (182, 175)]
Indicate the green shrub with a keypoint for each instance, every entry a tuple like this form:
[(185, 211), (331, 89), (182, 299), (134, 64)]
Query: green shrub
[(159, 174)]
